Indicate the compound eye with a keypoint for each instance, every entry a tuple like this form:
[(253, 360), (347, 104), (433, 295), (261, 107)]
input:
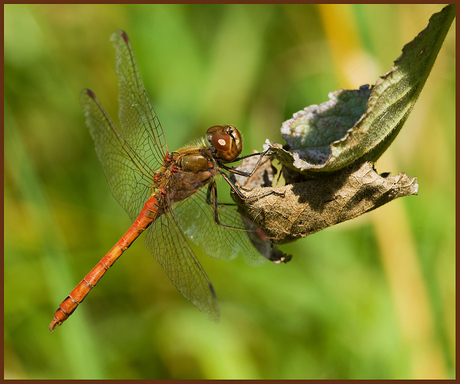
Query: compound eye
[(226, 141), (222, 141)]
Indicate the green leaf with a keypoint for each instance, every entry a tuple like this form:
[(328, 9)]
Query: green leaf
[(337, 133)]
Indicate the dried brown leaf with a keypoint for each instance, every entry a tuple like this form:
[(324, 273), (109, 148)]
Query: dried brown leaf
[(315, 204)]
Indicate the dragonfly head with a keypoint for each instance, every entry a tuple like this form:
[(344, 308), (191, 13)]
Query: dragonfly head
[(225, 142)]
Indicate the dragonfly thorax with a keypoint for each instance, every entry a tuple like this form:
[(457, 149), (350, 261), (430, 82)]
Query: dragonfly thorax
[(226, 143), (194, 162)]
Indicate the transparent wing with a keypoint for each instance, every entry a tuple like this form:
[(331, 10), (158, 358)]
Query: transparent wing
[(129, 156), (167, 244), (196, 218), (139, 123), (128, 177)]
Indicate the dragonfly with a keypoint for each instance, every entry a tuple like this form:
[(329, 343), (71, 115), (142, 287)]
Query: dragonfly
[(172, 195)]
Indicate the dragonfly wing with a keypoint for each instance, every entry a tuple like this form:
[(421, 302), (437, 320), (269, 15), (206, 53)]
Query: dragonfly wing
[(139, 122), (196, 218), (168, 245), (127, 176)]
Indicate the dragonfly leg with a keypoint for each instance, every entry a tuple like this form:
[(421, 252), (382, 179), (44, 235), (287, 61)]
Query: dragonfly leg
[(242, 196), (248, 174), (242, 173), (212, 190), (209, 201)]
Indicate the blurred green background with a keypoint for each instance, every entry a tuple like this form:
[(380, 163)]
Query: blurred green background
[(371, 298)]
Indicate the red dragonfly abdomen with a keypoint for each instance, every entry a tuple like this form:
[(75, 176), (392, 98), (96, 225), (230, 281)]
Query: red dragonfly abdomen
[(148, 214)]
